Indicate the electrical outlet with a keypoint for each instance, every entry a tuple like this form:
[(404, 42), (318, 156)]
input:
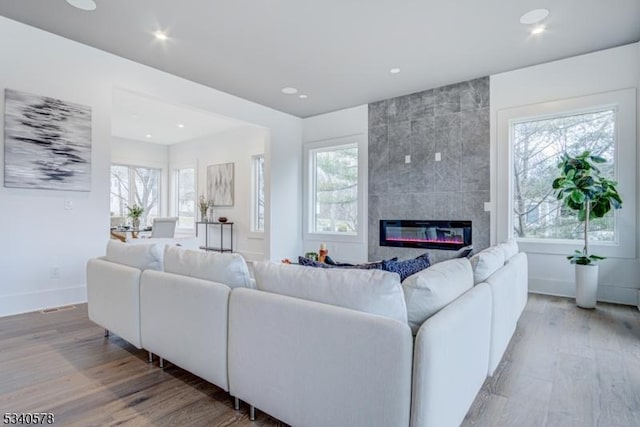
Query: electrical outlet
[(487, 206), (407, 158), (438, 157), (68, 205), (54, 272)]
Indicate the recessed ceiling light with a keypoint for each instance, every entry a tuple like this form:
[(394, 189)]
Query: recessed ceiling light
[(83, 4), (148, 135), (394, 70), (160, 35), (538, 29), (180, 125), (289, 90), (303, 96), (534, 16)]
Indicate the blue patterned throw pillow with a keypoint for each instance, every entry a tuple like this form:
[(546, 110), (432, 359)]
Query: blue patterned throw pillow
[(408, 267)]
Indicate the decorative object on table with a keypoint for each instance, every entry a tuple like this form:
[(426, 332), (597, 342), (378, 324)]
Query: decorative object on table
[(220, 184), (323, 252), (582, 188), (203, 205), (135, 212), (47, 143), (311, 255), (223, 219)]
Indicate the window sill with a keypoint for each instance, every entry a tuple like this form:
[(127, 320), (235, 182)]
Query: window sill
[(567, 247), (332, 237)]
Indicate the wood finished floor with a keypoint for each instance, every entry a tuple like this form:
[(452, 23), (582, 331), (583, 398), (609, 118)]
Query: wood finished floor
[(564, 367)]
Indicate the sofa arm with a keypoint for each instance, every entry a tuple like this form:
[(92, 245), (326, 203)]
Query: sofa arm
[(113, 298), (313, 364), (450, 360)]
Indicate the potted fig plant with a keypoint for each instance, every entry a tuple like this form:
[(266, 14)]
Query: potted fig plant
[(582, 187)]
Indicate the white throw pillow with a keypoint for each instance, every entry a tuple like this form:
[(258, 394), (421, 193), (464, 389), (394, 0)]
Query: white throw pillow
[(430, 290), (144, 257), (370, 291), (486, 263), (228, 269), (510, 248)]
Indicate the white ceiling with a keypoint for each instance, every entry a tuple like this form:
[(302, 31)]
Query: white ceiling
[(134, 116), (338, 52)]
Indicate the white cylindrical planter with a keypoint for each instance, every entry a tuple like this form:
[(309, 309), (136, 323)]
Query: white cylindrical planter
[(586, 285)]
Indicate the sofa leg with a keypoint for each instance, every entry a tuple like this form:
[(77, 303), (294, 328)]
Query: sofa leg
[(106, 333), (150, 357), (161, 362), (236, 403), (252, 413)]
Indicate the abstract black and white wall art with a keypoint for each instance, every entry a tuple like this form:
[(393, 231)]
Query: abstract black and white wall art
[(47, 143), (220, 184)]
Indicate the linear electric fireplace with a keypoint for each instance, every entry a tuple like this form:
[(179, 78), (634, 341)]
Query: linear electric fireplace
[(451, 235)]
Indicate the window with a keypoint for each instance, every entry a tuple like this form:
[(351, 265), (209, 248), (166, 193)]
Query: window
[(334, 190), (537, 145), (257, 220), (185, 185), (135, 185), (529, 140)]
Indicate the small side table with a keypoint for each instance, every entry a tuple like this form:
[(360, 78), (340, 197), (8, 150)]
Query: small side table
[(222, 247)]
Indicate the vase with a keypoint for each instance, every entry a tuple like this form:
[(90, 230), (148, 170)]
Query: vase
[(135, 223), (203, 215), (586, 285)]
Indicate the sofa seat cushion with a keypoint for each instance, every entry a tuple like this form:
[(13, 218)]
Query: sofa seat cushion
[(370, 291), (407, 267), (143, 257), (486, 262), (430, 290), (225, 268)]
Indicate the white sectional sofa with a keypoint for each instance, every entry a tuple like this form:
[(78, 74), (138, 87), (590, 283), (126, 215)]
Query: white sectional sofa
[(170, 301), (317, 347)]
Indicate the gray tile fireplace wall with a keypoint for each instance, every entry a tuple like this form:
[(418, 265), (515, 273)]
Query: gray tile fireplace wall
[(451, 120)]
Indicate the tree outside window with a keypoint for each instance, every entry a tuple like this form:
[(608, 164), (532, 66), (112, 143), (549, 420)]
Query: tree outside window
[(135, 185), (186, 197), (335, 195), (537, 146), (258, 193)]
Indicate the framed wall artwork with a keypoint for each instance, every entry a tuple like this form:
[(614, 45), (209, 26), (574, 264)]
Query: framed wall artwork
[(47, 143), (220, 184)]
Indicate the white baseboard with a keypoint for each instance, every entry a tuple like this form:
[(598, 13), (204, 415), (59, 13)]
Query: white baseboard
[(33, 301), (606, 293)]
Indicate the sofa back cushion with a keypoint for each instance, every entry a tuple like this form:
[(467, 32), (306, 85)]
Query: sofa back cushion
[(486, 262), (143, 257), (432, 289), (510, 249), (225, 268), (370, 291)]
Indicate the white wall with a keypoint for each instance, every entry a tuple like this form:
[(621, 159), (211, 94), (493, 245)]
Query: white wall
[(598, 72), (40, 234), (146, 154), (237, 147), (340, 124)]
